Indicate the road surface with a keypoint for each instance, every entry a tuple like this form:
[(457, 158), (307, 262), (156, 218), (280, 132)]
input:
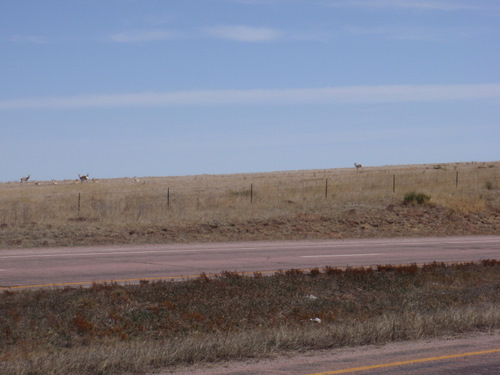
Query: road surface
[(32, 268), (25, 268), (474, 355)]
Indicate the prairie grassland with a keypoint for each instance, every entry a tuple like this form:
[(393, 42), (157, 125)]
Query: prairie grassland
[(331, 203), (124, 329)]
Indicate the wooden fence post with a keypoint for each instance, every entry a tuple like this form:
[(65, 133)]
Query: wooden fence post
[(456, 180), (79, 202), (393, 183), (326, 188), (251, 193), (168, 197)]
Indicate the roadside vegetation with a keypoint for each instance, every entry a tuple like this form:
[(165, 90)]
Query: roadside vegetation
[(416, 200), (119, 329)]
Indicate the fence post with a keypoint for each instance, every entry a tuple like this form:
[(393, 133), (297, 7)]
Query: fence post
[(168, 197), (456, 180), (251, 193), (79, 202), (393, 183)]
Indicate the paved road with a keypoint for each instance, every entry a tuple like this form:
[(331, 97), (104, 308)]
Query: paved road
[(459, 356), (20, 268)]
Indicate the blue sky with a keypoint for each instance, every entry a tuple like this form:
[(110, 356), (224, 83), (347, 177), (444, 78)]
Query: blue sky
[(118, 88)]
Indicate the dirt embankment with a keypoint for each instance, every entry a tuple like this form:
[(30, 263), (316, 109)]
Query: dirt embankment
[(360, 222)]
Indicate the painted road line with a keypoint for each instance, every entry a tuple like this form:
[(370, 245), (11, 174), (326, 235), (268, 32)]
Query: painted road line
[(284, 246), (340, 255), (410, 362), (160, 278), (134, 280), (107, 253), (164, 251)]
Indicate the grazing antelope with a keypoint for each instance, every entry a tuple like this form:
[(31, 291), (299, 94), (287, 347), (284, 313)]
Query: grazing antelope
[(358, 166), (25, 179), (83, 178), (54, 182), (37, 183), (136, 179)]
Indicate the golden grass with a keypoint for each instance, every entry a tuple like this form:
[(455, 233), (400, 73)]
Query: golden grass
[(30, 212)]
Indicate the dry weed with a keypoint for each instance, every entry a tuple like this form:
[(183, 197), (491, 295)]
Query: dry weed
[(113, 329), (329, 203)]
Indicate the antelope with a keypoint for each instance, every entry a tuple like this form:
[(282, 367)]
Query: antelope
[(136, 179), (37, 183), (95, 180), (25, 179), (358, 166), (83, 178), (54, 182)]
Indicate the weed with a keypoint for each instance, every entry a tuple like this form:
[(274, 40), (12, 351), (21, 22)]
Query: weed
[(233, 316), (314, 272), (242, 193), (416, 198)]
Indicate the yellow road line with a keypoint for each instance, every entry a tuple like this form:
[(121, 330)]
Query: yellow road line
[(124, 280), (99, 282), (179, 277), (420, 360)]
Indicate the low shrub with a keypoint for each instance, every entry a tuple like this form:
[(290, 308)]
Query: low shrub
[(416, 198)]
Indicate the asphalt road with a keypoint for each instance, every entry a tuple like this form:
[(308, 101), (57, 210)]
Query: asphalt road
[(32, 268), (27, 268), (473, 355)]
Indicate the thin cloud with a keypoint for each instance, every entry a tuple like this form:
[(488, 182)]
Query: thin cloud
[(326, 95), (244, 33), (431, 5), (411, 33), (33, 39), (142, 36)]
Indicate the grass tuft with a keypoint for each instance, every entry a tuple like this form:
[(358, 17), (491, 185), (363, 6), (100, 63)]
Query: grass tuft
[(416, 198)]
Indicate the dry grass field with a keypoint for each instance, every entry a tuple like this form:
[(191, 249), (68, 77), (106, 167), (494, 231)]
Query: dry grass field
[(133, 329), (330, 203), (124, 329)]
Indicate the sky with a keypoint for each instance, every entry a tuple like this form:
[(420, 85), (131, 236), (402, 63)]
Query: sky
[(123, 88)]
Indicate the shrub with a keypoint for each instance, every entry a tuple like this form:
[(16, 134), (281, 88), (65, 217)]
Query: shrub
[(416, 198)]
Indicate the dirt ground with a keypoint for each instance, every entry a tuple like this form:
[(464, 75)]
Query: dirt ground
[(327, 361), (360, 222)]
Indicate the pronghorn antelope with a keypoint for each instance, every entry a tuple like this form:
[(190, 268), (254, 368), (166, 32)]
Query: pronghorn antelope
[(54, 182), (358, 166), (83, 178), (25, 179), (37, 183), (136, 179)]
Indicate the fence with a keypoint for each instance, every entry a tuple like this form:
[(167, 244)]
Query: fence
[(190, 198)]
